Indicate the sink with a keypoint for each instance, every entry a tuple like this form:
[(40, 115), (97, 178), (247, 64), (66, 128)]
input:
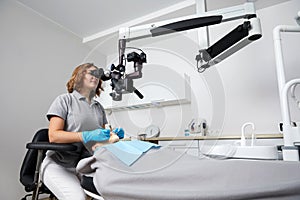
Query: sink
[(257, 152)]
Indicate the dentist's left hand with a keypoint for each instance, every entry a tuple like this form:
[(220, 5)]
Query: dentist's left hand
[(120, 132)]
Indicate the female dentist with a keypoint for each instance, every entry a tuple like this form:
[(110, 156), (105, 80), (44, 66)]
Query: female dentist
[(74, 117)]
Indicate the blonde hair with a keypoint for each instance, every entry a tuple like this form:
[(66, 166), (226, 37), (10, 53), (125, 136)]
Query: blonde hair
[(76, 80)]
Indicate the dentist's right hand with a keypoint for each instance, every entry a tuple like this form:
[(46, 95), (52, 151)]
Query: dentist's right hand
[(97, 135)]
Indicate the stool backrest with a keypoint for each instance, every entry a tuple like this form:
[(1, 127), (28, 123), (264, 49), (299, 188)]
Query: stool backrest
[(29, 163)]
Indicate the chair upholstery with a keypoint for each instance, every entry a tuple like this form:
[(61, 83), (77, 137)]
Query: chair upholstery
[(29, 173), (29, 163)]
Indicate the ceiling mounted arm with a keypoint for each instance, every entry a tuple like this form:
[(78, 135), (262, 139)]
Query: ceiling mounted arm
[(235, 40)]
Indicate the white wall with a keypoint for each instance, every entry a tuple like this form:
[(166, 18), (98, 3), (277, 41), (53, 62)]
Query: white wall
[(249, 76), (36, 60), (240, 89)]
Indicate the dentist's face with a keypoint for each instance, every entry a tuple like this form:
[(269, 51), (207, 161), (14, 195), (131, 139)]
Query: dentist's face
[(90, 82)]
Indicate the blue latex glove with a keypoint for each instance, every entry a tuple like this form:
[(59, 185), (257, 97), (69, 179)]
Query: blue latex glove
[(120, 132), (97, 135)]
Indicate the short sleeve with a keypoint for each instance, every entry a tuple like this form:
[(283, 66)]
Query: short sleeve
[(104, 118), (59, 107), (103, 114)]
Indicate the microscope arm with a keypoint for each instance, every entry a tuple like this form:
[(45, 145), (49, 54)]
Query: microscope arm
[(238, 38), (232, 42), (246, 10)]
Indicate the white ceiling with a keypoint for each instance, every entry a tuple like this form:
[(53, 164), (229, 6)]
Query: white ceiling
[(88, 17)]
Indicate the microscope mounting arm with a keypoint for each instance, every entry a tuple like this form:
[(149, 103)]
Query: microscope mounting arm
[(235, 40), (238, 38)]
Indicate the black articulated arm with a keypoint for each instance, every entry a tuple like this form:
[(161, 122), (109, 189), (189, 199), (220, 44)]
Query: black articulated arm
[(237, 34), (232, 42), (186, 25)]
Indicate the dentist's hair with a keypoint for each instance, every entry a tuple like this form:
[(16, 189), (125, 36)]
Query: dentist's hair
[(76, 80)]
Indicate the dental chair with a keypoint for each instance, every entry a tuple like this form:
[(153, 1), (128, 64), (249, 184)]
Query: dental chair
[(30, 169)]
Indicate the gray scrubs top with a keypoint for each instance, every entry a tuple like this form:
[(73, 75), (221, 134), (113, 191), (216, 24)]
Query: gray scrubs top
[(79, 116)]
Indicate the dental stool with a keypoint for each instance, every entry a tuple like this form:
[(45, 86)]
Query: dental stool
[(30, 169)]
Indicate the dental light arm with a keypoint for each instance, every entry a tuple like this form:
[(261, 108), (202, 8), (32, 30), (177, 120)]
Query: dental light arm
[(235, 40)]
